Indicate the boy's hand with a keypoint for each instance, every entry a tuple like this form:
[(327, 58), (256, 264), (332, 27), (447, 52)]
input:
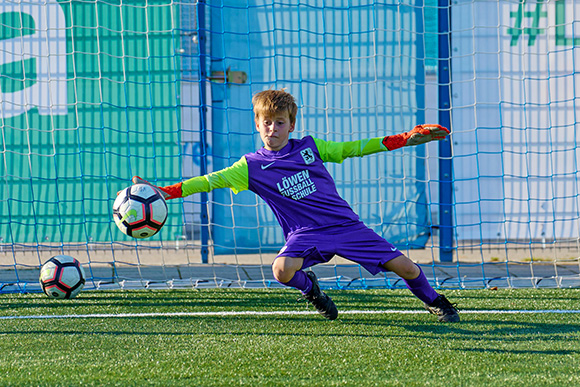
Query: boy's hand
[(169, 192), (419, 135)]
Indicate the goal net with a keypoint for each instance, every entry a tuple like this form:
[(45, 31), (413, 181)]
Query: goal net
[(93, 93)]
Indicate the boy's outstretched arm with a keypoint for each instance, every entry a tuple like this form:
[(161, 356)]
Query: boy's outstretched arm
[(234, 177), (337, 152), (419, 135)]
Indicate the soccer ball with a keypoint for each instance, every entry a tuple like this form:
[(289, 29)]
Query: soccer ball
[(62, 276), (140, 211)]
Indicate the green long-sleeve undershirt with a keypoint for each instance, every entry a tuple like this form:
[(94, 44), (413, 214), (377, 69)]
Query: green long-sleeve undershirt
[(236, 176)]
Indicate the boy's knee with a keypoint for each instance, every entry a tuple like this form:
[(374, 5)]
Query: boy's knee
[(410, 271), (284, 268), (403, 267)]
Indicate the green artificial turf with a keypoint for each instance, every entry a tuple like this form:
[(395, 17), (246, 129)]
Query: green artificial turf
[(390, 349)]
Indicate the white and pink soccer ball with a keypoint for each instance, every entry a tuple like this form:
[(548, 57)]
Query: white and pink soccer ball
[(62, 276), (140, 211)]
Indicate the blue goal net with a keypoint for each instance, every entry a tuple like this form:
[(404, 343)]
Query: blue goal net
[(93, 93)]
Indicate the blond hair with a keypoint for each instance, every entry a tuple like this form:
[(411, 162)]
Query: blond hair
[(267, 103)]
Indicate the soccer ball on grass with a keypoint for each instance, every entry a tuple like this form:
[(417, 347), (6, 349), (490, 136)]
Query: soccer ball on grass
[(140, 211), (62, 276)]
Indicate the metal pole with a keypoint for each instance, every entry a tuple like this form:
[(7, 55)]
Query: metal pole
[(445, 161), (203, 76)]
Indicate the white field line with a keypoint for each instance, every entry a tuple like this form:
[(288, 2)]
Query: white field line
[(272, 313)]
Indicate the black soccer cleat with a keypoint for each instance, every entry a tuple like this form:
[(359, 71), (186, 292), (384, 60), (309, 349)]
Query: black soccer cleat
[(323, 304), (445, 311)]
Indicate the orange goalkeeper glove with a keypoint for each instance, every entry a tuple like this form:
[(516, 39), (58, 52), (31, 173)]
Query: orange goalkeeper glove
[(169, 192), (419, 135)]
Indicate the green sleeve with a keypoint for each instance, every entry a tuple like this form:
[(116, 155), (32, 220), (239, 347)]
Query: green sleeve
[(337, 152), (234, 177)]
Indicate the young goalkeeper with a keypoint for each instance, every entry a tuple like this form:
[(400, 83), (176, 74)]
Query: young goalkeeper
[(317, 223)]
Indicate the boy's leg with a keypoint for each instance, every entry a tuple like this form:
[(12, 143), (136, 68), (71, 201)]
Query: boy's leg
[(419, 285), (414, 278), (287, 271)]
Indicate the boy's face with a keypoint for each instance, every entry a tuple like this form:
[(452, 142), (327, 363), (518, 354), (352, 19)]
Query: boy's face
[(275, 130)]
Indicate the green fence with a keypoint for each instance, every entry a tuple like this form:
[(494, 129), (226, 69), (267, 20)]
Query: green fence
[(64, 160)]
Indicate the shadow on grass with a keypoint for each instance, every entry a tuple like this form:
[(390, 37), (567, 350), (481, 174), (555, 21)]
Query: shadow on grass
[(523, 352), (197, 300), (167, 299), (404, 327)]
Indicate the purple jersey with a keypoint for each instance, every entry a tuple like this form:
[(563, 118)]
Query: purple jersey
[(297, 187)]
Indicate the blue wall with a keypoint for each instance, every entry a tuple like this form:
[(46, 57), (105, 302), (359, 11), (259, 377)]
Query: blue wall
[(355, 72)]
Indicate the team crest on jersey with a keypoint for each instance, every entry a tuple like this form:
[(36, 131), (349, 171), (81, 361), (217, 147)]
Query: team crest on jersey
[(307, 155)]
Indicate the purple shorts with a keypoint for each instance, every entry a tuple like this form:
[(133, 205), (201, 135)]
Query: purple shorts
[(354, 241)]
